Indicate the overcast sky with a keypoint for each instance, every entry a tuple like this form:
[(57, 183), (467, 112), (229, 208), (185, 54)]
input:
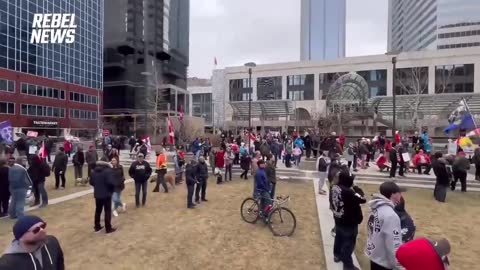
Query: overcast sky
[(268, 31)]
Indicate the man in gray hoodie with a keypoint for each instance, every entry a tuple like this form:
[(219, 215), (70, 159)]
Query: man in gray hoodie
[(19, 183), (383, 227)]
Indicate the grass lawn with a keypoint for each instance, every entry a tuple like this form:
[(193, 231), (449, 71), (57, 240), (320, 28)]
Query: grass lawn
[(166, 235), (457, 220), (69, 183)]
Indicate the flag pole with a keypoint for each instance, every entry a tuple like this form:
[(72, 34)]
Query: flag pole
[(468, 110)]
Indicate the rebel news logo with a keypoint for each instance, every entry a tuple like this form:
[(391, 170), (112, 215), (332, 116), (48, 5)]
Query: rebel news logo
[(54, 28)]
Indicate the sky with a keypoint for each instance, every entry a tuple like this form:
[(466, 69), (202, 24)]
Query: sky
[(268, 31)]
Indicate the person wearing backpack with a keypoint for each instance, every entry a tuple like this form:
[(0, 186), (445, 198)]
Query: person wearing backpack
[(322, 166)]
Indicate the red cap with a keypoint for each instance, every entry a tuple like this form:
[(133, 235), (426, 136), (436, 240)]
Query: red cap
[(419, 254)]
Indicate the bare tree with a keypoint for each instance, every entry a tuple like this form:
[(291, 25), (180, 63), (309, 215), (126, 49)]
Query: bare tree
[(413, 82)]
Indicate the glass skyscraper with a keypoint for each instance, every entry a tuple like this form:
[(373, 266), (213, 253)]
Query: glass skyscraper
[(322, 35), (58, 85), (433, 24)]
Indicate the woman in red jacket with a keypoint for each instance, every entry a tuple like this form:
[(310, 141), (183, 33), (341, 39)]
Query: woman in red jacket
[(424, 254), (68, 147)]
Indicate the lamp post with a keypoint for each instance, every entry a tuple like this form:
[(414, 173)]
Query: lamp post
[(394, 101), (250, 66)]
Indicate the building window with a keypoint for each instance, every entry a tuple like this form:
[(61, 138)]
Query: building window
[(7, 108), (82, 114), (454, 78), (42, 91), (7, 85), (240, 83), (326, 80), (82, 98), (44, 111), (412, 81), (296, 95), (269, 88), (295, 80), (376, 81)]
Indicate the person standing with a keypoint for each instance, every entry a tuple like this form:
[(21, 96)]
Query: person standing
[(275, 149), (255, 160), (132, 143), (245, 161), (161, 170), (78, 160), (19, 182), (229, 157), (219, 163), (384, 228), (346, 201), (460, 167), (271, 174), (308, 145), (262, 188), (322, 166), (476, 161), (443, 177), (393, 161), (140, 171), (202, 176), (191, 180), (32, 248), (91, 158), (48, 147), (179, 161), (67, 146), (38, 172), (4, 188), (59, 167), (118, 180), (102, 182), (212, 159)]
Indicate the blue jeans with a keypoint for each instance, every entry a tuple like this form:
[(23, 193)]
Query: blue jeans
[(264, 201), (117, 199), (143, 187), (17, 206)]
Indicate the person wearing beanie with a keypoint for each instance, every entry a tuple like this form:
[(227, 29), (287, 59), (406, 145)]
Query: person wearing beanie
[(424, 254), (384, 228), (346, 200), (32, 248)]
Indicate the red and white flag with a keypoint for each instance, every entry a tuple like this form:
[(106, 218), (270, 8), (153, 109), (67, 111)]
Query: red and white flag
[(171, 131), (180, 113), (42, 153)]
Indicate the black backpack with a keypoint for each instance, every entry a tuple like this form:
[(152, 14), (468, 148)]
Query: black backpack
[(322, 165)]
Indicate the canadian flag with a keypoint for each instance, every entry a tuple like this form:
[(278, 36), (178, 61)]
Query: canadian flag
[(171, 131), (42, 153)]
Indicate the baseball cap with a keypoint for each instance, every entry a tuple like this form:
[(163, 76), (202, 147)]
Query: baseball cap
[(441, 246), (388, 188), (140, 155)]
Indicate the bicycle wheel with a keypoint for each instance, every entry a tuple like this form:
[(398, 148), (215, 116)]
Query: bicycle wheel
[(249, 210), (282, 222)]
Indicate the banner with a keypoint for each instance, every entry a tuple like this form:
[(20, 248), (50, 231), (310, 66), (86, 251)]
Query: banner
[(6, 132), (32, 133)]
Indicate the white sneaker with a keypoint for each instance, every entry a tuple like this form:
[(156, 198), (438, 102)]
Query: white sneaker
[(115, 213), (124, 207)]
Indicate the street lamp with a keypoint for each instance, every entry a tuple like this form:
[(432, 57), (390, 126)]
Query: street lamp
[(250, 66), (394, 94)]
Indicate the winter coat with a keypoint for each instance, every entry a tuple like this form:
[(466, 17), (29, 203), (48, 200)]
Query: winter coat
[(261, 181), (190, 174), (322, 164), (21, 145), (271, 173), (307, 142), (363, 149), (60, 162), (91, 157), (245, 162), (140, 172), (461, 164), (78, 159), (39, 172), (228, 158), (220, 159), (118, 179), (51, 255), (18, 178), (67, 146), (264, 149), (406, 222), (421, 159), (346, 202), (393, 156), (202, 171), (440, 169), (275, 148), (4, 185), (384, 232), (102, 180)]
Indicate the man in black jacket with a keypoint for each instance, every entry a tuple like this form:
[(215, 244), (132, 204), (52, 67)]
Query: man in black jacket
[(443, 177), (59, 167), (103, 184), (4, 188), (191, 180), (202, 176), (393, 160), (32, 248), (140, 171), (346, 200)]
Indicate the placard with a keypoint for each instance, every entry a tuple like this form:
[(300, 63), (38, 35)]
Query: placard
[(406, 157)]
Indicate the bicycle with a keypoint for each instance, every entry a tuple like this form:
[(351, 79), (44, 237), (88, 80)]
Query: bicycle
[(278, 215)]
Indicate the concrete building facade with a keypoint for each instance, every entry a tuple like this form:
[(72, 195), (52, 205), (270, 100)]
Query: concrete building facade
[(300, 89)]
